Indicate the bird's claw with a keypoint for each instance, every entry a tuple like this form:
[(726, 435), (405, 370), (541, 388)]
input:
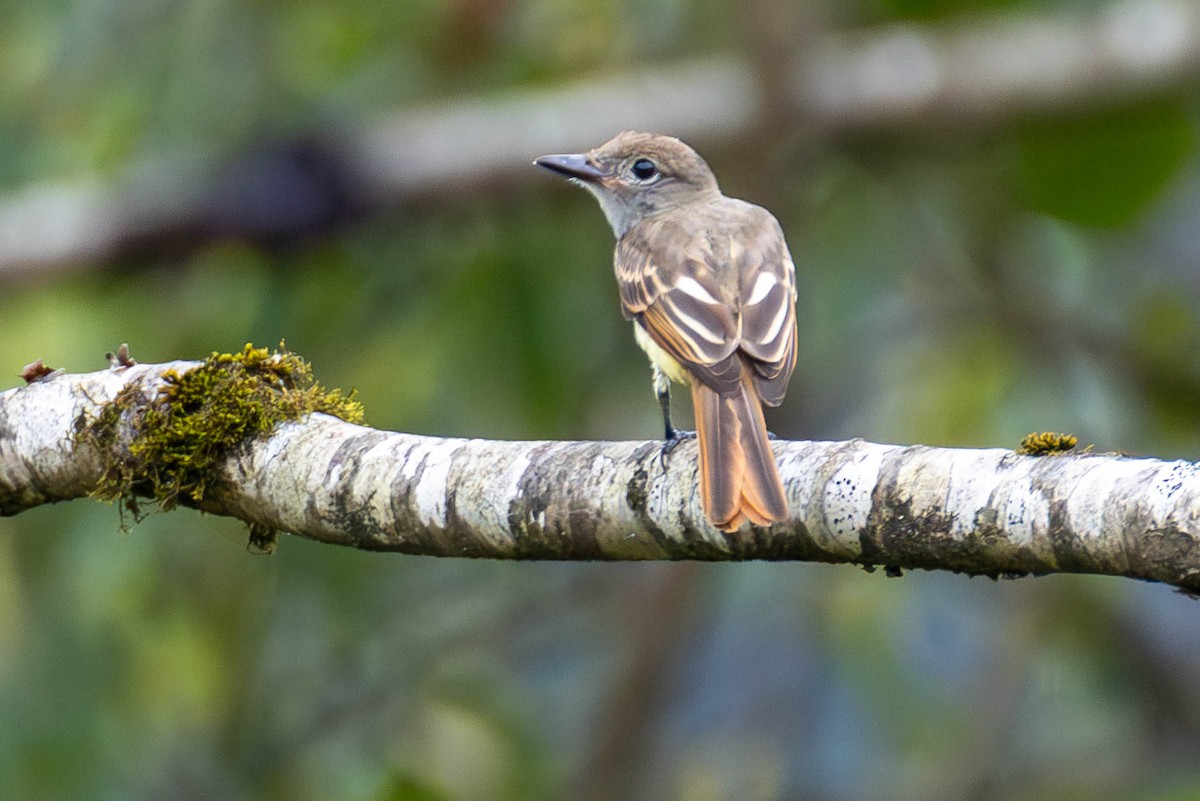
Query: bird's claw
[(673, 438)]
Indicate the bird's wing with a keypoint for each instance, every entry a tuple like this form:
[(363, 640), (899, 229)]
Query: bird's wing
[(669, 286), (767, 291)]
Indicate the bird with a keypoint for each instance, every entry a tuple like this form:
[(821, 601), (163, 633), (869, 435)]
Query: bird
[(710, 287)]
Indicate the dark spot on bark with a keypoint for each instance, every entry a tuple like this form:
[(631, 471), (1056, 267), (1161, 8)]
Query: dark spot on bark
[(1168, 553), (780, 542), (897, 535), (544, 518), (871, 553), (345, 464), (408, 526), (635, 490), (987, 523), (457, 529), (1063, 541), (692, 544)]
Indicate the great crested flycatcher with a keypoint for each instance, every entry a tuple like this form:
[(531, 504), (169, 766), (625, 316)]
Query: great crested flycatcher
[(711, 289)]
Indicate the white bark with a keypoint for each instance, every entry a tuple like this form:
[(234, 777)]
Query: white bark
[(978, 511)]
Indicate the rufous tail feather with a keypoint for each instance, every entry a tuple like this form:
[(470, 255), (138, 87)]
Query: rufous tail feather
[(738, 477)]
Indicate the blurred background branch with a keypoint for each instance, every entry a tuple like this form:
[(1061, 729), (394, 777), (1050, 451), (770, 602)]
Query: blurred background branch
[(964, 75)]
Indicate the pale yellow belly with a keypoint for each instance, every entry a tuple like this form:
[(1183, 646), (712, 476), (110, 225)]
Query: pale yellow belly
[(664, 361)]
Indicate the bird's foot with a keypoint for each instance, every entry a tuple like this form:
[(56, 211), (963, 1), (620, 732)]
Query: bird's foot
[(673, 437)]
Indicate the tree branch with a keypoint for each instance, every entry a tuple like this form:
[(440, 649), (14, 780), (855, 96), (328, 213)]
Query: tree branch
[(989, 512)]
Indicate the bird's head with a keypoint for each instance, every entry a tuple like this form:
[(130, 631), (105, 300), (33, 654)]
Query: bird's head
[(635, 175)]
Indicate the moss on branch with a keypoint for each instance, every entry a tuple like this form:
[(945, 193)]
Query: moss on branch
[(167, 446), (1047, 443)]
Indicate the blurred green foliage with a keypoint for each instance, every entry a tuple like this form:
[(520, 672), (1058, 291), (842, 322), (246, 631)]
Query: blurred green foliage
[(928, 10), (1104, 168), (958, 287)]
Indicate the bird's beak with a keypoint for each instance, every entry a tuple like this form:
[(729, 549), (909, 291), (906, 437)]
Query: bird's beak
[(573, 165)]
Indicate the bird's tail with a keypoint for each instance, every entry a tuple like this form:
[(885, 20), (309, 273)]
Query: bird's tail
[(738, 477)]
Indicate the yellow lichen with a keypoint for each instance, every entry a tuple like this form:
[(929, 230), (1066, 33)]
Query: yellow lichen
[(1047, 443), (181, 435)]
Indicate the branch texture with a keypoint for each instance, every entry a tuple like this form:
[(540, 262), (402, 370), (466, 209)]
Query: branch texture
[(989, 512)]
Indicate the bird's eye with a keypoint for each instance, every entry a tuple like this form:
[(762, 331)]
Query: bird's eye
[(644, 169)]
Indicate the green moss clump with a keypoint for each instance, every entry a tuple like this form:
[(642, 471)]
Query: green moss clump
[(1047, 443), (184, 432)]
